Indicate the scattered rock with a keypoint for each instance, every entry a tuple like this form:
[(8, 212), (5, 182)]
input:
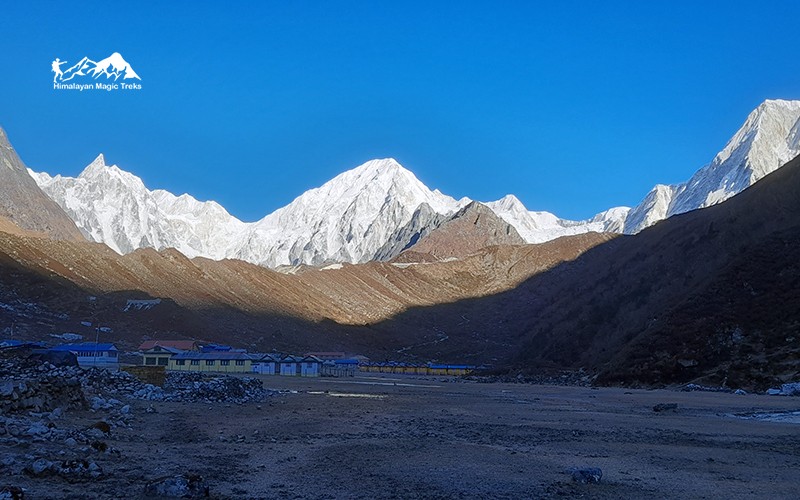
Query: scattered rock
[(39, 467), (585, 474), (11, 493), (704, 388), (182, 486), (105, 427), (665, 407), (740, 392), (37, 429), (100, 446)]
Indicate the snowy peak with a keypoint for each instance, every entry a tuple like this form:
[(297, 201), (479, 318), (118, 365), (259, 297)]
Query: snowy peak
[(100, 161), (509, 203), (767, 140), (374, 181), (379, 208), (112, 206), (538, 227), (347, 219)]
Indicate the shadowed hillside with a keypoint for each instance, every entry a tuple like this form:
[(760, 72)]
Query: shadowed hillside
[(709, 296)]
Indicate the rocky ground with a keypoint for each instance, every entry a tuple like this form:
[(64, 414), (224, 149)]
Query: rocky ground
[(391, 436)]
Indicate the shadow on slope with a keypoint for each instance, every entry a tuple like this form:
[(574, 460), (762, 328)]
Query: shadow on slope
[(709, 295)]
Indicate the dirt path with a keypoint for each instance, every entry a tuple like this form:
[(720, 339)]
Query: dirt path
[(409, 437)]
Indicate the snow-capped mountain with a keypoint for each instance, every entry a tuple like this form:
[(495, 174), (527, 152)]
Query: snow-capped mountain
[(538, 227), (114, 207), (347, 219), (358, 216), (769, 138), (379, 208)]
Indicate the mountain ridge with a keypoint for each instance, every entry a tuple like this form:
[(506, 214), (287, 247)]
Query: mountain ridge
[(25, 204), (357, 216)]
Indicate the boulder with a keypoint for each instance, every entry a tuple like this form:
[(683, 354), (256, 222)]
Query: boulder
[(182, 486), (586, 474)]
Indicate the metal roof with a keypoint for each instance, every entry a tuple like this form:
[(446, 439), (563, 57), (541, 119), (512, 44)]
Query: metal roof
[(212, 355), (156, 348), (184, 345), (345, 361), (85, 347)]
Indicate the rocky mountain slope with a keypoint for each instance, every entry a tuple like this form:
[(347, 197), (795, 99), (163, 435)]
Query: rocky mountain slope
[(24, 203), (469, 230)]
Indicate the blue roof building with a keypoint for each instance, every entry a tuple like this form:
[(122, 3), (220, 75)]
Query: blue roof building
[(93, 355)]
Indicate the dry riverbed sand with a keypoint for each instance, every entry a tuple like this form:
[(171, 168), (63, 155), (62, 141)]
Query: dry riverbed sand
[(414, 437)]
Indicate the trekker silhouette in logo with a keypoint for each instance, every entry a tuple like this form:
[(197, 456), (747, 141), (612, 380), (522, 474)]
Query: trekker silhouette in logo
[(57, 69)]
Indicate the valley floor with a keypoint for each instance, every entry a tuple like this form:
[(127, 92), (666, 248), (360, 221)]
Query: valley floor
[(404, 437)]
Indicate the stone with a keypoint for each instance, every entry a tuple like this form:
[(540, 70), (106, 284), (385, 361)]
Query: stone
[(71, 442), (6, 388), (125, 409), (665, 407), (740, 392), (39, 467), (792, 389), (104, 427), (12, 493), (37, 429), (182, 486), (774, 392), (586, 474), (98, 403), (95, 433)]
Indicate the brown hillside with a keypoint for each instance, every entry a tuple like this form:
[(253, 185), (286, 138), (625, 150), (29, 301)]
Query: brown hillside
[(23, 203), (237, 302), (470, 229)]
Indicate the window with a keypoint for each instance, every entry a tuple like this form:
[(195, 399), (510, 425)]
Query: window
[(239, 362), (112, 354), (195, 362), (224, 362), (163, 361), (209, 362), (180, 362), (149, 360)]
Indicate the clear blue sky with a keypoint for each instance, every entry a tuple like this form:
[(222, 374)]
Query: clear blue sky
[(572, 106)]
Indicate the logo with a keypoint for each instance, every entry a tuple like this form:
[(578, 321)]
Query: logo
[(113, 73)]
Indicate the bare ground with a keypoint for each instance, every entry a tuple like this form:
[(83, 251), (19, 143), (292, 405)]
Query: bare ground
[(410, 437)]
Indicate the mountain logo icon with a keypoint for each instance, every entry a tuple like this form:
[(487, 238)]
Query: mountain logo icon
[(112, 68)]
